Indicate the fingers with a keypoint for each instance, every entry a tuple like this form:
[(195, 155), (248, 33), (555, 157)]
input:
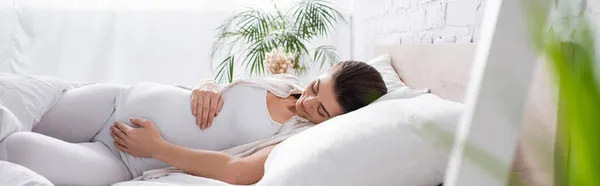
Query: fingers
[(118, 132), (121, 126), (219, 106), (141, 122), (205, 106), (194, 102), (117, 138), (205, 111), (214, 103), (199, 108), (121, 147)]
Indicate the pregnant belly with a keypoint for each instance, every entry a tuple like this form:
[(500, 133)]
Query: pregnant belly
[(169, 109)]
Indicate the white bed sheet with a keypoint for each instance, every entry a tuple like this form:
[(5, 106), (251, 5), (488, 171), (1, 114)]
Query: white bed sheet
[(176, 179), (17, 175)]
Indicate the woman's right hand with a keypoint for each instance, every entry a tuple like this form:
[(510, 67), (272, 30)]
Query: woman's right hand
[(206, 104)]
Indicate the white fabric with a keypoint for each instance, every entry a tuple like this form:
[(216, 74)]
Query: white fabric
[(402, 93), (383, 64), (60, 148), (244, 118), (17, 175), (80, 113), (9, 123), (23, 101), (64, 163), (397, 89), (176, 179), (29, 97), (280, 85), (386, 143)]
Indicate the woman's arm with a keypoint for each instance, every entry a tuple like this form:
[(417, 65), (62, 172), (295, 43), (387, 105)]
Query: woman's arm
[(147, 142), (215, 165)]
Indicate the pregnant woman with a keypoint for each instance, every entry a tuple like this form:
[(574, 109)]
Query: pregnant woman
[(95, 135)]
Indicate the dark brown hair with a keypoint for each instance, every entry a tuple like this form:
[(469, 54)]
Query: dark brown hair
[(357, 84)]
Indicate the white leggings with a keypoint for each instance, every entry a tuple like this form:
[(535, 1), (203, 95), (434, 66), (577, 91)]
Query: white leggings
[(62, 146)]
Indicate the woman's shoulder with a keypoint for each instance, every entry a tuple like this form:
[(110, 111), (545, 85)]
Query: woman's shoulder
[(283, 77), (279, 80)]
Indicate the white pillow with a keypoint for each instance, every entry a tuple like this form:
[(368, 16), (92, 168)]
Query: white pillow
[(30, 97), (385, 143), (9, 123), (14, 174), (383, 64), (402, 93)]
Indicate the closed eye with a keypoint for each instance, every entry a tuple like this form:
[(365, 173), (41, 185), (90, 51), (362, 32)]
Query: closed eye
[(316, 93), (321, 106)]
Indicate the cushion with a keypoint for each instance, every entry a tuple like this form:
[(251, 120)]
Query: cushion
[(17, 175), (383, 64), (30, 97), (402, 93), (386, 143), (9, 123)]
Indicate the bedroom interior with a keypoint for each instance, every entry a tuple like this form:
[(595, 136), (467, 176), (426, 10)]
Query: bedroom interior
[(480, 92)]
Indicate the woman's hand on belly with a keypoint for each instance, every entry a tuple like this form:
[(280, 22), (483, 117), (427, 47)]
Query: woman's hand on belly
[(140, 142), (206, 104)]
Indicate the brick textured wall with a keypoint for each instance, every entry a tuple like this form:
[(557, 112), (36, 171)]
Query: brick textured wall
[(381, 22)]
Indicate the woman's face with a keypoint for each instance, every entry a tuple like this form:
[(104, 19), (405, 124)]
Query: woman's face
[(318, 101)]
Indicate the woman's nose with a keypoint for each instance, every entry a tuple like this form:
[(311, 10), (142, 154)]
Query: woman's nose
[(310, 101)]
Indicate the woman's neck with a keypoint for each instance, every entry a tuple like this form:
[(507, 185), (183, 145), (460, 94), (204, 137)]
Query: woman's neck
[(281, 109), (292, 106)]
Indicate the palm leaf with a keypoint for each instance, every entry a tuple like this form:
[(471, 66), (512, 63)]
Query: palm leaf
[(253, 32), (256, 56), (326, 54), (248, 26), (314, 18), (225, 70)]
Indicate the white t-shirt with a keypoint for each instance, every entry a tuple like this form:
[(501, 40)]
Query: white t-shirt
[(243, 118)]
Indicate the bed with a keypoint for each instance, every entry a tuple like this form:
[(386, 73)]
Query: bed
[(444, 70)]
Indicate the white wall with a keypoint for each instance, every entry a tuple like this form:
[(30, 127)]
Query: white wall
[(382, 22), (145, 34), (121, 41)]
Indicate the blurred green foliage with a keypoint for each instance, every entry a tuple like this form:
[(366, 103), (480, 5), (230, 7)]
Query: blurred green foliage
[(572, 56)]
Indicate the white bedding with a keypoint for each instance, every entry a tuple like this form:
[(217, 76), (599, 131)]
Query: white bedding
[(29, 97), (17, 175), (176, 179), (24, 100)]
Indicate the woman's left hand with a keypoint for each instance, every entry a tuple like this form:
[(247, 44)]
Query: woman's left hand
[(140, 142)]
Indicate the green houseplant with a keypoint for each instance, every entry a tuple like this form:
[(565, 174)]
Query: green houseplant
[(561, 32), (572, 56), (249, 35), (571, 53)]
